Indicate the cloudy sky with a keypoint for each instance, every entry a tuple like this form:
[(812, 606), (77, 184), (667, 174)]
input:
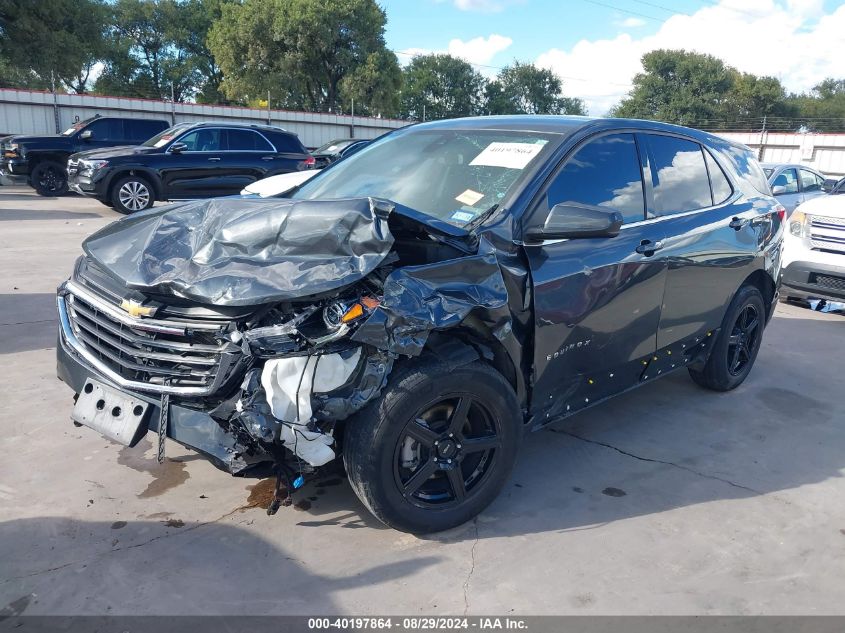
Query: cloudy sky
[(596, 45)]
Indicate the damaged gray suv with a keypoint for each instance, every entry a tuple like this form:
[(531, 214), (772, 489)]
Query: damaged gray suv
[(416, 308)]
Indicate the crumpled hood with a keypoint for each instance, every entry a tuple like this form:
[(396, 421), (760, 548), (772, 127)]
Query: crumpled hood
[(236, 252)]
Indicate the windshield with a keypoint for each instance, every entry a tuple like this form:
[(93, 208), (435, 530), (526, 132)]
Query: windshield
[(452, 175), (332, 147), (163, 138), (76, 127)]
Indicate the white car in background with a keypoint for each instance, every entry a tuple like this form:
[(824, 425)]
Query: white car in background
[(277, 185), (793, 184), (814, 250)]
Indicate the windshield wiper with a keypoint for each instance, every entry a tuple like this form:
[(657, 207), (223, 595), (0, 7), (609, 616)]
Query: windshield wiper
[(481, 217)]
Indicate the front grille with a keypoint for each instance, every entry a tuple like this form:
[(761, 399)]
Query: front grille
[(149, 354), (828, 281), (827, 233)]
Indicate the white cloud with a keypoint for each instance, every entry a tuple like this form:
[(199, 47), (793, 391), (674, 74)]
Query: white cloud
[(479, 50), (792, 40), (484, 6), (631, 23)]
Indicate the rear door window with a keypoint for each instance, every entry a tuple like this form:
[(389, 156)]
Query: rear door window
[(246, 141), (139, 130), (679, 175), (810, 182), (604, 172), (107, 130), (787, 179)]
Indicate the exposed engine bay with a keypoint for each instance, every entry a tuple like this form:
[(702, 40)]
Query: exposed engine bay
[(315, 300)]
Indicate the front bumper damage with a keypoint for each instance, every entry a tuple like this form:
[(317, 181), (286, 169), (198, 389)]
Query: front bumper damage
[(283, 391)]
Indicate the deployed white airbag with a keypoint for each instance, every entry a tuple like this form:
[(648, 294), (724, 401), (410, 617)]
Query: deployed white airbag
[(289, 383)]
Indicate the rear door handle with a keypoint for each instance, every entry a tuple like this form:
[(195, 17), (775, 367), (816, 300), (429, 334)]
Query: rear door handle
[(214, 158), (648, 248), (737, 223)]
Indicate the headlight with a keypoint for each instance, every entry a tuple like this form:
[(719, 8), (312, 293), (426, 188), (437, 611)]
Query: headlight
[(11, 150), (93, 165), (797, 223)]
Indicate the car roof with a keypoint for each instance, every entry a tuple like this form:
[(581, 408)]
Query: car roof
[(246, 126), (566, 125), (788, 165)]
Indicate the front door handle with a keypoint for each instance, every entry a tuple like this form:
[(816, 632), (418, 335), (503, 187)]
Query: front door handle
[(214, 158), (737, 223), (267, 157), (648, 248)]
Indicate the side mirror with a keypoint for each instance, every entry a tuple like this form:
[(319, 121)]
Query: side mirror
[(87, 134), (571, 220), (778, 190), (828, 185), (178, 148)]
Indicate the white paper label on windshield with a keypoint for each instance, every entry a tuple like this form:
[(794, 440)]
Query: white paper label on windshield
[(469, 197), (511, 155), (164, 140)]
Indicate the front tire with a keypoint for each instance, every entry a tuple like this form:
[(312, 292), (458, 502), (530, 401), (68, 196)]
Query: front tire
[(737, 345), (436, 447), (49, 178), (132, 194)]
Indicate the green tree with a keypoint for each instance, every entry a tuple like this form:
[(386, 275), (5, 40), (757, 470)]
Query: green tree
[(677, 86), (46, 41), (440, 87), (157, 48), (311, 54), (822, 110), (526, 89)]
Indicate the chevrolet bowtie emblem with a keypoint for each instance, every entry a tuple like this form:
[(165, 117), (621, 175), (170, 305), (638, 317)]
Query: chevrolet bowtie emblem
[(135, 309)]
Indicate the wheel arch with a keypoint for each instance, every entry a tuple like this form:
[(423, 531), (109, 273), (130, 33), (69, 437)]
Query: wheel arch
[(763, 281), (147, 175), (470, 342)]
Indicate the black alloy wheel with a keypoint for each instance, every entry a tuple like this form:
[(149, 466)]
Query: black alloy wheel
[(445, 452), (49, 179), (426, 456), (744, 339), (736, 347)]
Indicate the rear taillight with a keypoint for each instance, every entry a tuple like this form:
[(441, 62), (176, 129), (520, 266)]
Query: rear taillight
[(781, 211), (309, 162)]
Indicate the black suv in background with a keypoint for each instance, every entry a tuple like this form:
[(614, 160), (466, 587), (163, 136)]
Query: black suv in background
[(188, 160), (40, 160), (334, 150)]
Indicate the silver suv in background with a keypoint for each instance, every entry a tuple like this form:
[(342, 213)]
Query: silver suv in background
[(793, 184)]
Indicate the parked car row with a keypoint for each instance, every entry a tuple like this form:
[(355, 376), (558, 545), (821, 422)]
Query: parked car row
[(129, 164)]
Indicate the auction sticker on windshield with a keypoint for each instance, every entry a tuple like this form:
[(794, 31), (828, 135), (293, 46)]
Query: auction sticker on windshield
[(510, 155), (469, 197)]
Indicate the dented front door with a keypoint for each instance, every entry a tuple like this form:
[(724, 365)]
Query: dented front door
[(597, 301)]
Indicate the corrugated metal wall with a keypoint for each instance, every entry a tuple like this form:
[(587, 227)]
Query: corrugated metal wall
[(824, 152), (33, 112)]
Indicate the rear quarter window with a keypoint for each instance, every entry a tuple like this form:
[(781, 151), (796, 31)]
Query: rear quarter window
[(744, 163), (287, 144), (719, 183)]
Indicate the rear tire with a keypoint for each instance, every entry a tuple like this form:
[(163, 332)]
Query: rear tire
[(132, 194), (49, 178), (737, 345), (436, 447)]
